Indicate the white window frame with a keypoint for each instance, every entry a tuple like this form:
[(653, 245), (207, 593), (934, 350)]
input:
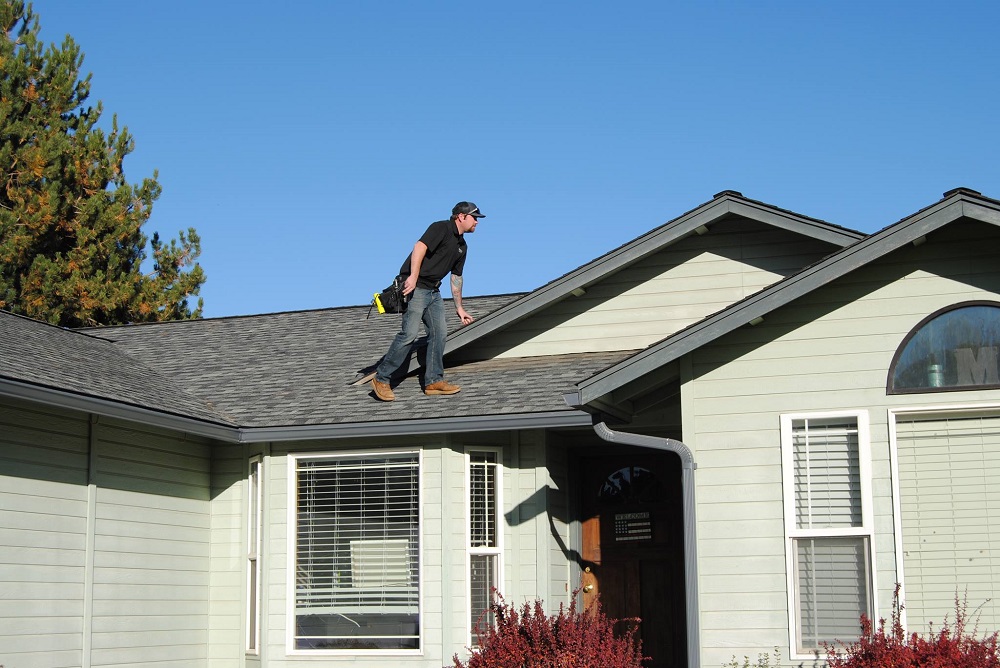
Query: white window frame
[(793, 533), (930, 411), (495, 551), (290, 575), (254, 541)]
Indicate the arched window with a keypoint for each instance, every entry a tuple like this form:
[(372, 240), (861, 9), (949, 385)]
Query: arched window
[(952, 349)]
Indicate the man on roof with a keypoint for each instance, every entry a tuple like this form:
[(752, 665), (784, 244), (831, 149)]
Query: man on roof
[(440, 251)]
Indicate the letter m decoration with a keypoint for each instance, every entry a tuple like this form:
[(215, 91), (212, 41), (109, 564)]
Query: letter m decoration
[(977, 368)]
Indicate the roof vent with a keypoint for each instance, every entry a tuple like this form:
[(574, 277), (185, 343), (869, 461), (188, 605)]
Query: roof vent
[(734, 193), (964, 191)]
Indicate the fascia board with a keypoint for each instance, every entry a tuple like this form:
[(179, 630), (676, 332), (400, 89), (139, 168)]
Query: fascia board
[(113, 409), (232, 434), (797, 285), (517, 421), (832, 234), (642, 247), (977, 211), (588, 273)]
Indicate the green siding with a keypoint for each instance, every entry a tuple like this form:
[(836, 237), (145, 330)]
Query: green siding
[(830, 350), (153, 533), (661, 294), (227, 577), (43, 531), (106, 536)]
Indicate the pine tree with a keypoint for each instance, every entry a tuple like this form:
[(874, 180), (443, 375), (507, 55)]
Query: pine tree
[(71, 240)]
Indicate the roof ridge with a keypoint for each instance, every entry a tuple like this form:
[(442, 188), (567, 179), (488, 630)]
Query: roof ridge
[(248, 316)]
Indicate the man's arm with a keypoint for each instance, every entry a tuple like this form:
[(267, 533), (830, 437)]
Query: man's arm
[(456, 294), (416, 260)]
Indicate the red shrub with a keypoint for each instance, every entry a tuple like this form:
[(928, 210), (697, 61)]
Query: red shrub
[(529, 638), (955, 645)]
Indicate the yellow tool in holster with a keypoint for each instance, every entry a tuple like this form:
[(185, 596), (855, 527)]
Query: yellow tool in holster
[(378, 303)]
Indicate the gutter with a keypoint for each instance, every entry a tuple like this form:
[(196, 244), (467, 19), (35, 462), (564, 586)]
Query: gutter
[(108, 408), (437, 425), (690, 544), (233, 434)]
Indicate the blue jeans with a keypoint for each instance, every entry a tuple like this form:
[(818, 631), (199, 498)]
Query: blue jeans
[(425, 306)]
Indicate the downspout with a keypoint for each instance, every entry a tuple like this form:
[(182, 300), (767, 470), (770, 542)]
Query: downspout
[(690, 547)]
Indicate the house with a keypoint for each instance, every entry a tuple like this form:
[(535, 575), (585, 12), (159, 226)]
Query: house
[(744, 427)]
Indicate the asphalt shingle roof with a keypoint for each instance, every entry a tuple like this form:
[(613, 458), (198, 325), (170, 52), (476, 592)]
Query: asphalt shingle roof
[(301, 368), (55, 358)]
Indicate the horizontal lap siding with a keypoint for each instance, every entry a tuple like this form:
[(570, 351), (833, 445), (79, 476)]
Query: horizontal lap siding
[(147, 513), (43, 536), (152, 544), (558, 534), (275, 555), (228, 558), (829, 350), (663, 293), (525, 556)]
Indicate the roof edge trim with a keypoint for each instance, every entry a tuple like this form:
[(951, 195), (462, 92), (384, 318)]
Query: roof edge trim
[(417, 427), (653, 241), (113, 409), (761, 303), (234, 435)]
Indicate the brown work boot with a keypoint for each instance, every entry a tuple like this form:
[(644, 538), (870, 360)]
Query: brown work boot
[(382, 390), (441, 387)]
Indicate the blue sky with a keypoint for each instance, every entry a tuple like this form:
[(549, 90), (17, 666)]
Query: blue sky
[(311, 142)]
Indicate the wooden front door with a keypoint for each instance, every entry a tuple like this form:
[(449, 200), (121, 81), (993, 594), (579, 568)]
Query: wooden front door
[(633, 547)]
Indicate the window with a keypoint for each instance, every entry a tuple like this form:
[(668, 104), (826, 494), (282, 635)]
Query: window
[(484, 535), (254, 523), (952, 349), (947, 481), (356, 553), (827, 492)]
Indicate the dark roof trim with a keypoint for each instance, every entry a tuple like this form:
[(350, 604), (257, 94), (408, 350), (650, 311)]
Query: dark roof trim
[(725, 204), (115, 409), (231, 434), (518, 421), (961, 203)]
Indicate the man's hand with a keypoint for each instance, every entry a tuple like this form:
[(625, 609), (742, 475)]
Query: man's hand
[(465, 317), (410, 284)]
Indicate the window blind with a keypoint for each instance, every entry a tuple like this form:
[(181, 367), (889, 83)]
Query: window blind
[(827, 474), (482, 499), (357, 547), (832, 584), (831, 575), (949, 465)]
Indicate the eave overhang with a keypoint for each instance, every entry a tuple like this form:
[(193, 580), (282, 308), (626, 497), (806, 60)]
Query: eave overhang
[(234, 435), (960, 204), (416, 427), (724, 205), (116, 409)]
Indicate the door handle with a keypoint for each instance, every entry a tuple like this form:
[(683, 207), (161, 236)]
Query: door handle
[(588, 588)]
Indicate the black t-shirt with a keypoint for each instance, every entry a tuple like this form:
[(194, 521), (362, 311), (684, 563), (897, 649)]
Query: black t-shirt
[(446, 250)]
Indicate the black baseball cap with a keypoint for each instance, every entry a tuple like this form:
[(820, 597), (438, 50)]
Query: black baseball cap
[(469, 208)]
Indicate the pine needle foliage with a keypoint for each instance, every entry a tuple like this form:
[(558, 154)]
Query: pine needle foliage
[(71, 240), (530, 638)]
